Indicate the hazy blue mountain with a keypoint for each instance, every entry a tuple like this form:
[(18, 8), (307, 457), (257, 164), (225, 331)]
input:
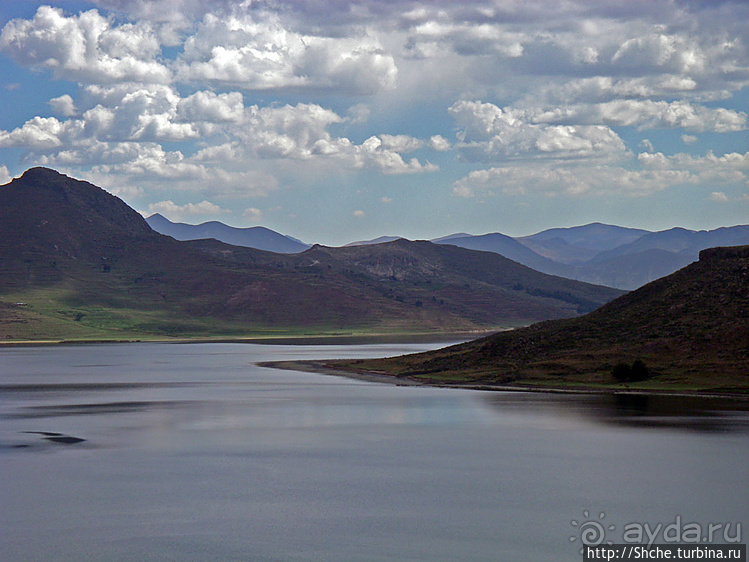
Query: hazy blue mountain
[(629, 271), (681, 241), (503, 245), (594, 236), (257, 237), (380, 240), (625, 258), (450, 237)]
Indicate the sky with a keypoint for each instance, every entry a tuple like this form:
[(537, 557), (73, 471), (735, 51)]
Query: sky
[(333, 121)]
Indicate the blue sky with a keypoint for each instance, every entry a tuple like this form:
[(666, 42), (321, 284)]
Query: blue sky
[(346, 120)]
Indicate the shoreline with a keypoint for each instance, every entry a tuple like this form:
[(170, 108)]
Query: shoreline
[(323, 367), (276, 339)]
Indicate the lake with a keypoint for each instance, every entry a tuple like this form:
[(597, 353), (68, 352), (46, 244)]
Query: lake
[(158, 451)]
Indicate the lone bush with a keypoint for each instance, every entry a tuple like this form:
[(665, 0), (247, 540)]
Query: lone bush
[(640, 372), (621, 372), (624, 372)]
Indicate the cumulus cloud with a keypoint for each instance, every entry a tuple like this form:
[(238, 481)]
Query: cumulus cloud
[(88, 47), (256, 51), (5, 176), (253, 214), (571, 76), (718, 197), (656, 51), (656, 172), (439, 143), (124, 126), (63, 105), (643, 114), (688, 139), (302, 132), (488, 133), (211, 107), (401, 143), (358, 213), (37, 133), (172, 211), (572, 181)]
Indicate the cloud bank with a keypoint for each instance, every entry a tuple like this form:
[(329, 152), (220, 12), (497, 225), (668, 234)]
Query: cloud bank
[(250, 99)]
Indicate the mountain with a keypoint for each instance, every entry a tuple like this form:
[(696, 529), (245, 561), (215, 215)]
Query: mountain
[(77, 262), (504, 246), (257, 237), (629, 270), (379, 240), (690, 329), (595, 236), (479, 287), (625, 258), (601, 254), (680, 241)]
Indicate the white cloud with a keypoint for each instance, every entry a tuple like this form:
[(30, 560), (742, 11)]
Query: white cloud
[(439, 143), (256, 51), (656, 172), (432, 36), (728, 169), (570, 77), (173, 211), (301, 133), (253, 214), (88, 47), (358, 113), (488, 133), (571, 181), (657, 51), (358, 213), (660, 114), (386, 200), (37, 133), (719, 197), (63, 105), (5, 176), (643, 114), (401, 143), (211, 107)]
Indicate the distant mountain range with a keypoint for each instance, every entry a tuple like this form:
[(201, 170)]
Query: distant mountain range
[(602, 254), (614, 256), (77, 262), (257, 237), (688, 331)]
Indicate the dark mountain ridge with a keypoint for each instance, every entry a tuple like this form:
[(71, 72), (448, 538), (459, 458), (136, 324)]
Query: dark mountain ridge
[(82, 260), (690, 329)]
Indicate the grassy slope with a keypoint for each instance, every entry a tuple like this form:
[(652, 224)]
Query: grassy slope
[(88, 266), (690, 328)]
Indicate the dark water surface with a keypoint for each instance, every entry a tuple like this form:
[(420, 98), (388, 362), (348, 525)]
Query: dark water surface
[(191, 452)]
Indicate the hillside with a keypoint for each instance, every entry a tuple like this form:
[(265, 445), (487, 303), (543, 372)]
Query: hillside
[(691, 329), (613, 256), (257, 237), (77, 262)]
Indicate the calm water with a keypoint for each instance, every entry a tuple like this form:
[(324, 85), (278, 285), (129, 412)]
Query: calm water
[(192, 452)]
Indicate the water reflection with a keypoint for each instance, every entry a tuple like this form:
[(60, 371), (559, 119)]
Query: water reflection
[(708, 414)]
